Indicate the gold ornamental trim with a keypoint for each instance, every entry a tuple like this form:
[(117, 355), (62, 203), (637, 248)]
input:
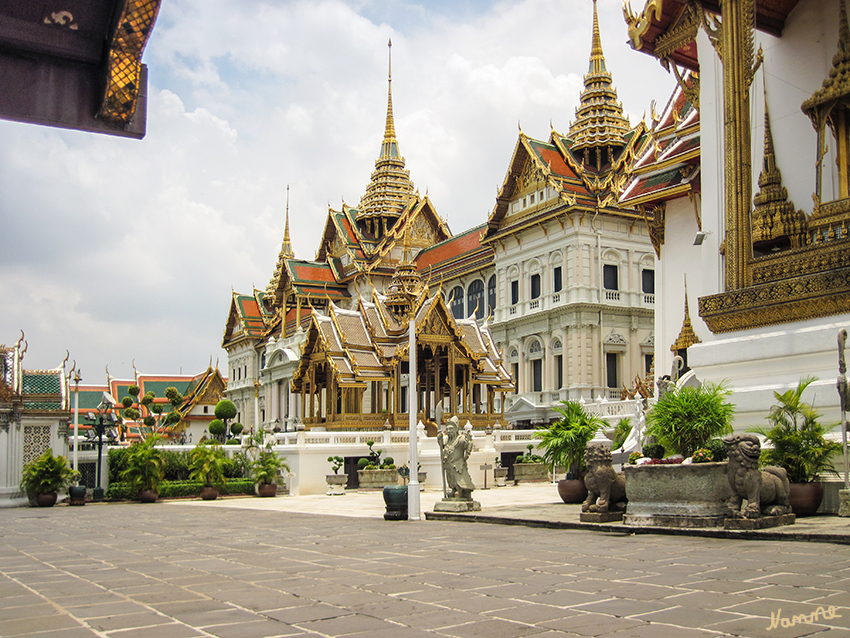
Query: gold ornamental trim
[(124, 61), (798, 299), (824, 257)]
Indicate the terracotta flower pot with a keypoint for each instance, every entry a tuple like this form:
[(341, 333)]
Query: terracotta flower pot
[(805, 498), (148, 496), (209, 492), (572, 490), (46, 500), (267, 489)]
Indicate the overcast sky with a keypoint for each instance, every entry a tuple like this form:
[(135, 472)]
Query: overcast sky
[(119, 250)]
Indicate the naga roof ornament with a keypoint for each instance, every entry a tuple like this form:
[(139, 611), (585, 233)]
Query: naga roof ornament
[(390, 187)]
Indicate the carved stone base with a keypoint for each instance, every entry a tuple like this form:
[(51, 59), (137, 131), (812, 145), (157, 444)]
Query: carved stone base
[(763, 522), (599, 517), (844, 503), (449, 505), (661, 520)]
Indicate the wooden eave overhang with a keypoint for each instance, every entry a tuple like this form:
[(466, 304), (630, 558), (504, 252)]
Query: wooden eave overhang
[(660, 21)]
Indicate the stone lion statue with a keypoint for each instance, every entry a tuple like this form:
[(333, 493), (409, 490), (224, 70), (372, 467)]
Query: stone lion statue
[(766, 491), (606, 489)]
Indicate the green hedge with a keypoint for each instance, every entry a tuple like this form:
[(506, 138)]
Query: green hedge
[(174, 489)]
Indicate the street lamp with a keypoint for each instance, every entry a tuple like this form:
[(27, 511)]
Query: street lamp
[(103, 422)]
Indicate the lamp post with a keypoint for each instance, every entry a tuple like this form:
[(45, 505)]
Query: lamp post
[(77, 378), (413, 513), (102, 423)]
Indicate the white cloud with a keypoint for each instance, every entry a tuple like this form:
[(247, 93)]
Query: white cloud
[(118, 249)]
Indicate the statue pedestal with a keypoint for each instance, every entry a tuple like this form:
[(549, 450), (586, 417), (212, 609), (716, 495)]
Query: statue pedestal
[(451, 505), (600, 517), (844, 503), (763, 522)]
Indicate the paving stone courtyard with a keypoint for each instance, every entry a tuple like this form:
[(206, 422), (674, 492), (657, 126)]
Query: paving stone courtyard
[(171, 570)]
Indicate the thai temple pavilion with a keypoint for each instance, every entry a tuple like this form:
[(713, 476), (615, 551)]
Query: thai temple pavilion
[(329, 337)]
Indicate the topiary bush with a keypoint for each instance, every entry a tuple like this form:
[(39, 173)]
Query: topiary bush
[(654, 451), (718, 450), (117, 462)]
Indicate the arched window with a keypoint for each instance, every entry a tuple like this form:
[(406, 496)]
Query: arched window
[(491, 294), (475, 298), (514, 359), (456, 302), (535, 354)]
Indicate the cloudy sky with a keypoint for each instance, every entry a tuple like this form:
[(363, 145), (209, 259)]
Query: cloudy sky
[(119, 250)]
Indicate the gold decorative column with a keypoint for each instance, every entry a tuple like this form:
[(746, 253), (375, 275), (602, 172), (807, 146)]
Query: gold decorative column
[(736, 52)]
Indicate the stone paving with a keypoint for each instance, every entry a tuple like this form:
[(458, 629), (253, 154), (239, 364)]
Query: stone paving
[(177, 570)]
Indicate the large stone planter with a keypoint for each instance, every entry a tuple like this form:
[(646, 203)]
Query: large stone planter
[(336, 484), (500, 475), (677, 495), (377, 479), (530, 473)]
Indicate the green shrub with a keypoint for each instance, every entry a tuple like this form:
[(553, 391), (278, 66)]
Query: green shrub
[(565, 440), (217, 428), (176, 465), (634, 456), (127, 402), (362, 463), (702, 455), (238, 467), (233, 442), (718, 450), (621, 433), (225, 410), (236, 429), (654, 451), (686, 419), (117, 461), (174, 489)]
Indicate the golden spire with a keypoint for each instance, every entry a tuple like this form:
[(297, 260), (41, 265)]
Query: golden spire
[(286, 252), (687, 337), (776, 223), (390, 187), (389, 129), (600, 123), (286, 249)]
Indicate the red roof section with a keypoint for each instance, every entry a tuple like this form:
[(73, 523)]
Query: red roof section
[(556, 162), (449, 249), (313, 273)]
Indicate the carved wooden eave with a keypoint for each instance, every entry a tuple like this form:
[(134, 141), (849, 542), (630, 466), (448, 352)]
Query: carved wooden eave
[(666, 29), (124, 61)]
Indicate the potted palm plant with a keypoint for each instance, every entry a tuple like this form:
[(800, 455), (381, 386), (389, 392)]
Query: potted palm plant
[(145, 465), (563, 444), (46, 475), (266, 472), (797, 443), (208, 466)]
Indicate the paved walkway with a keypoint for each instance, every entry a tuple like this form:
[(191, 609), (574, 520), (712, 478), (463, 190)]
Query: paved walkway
[(260, 568)]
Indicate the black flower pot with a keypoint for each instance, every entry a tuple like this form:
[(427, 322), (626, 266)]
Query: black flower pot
[(77, 495)]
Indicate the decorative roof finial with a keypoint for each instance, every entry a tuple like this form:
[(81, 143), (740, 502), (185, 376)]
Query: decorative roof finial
[(390, 187), (599, 122), (287, 243)]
